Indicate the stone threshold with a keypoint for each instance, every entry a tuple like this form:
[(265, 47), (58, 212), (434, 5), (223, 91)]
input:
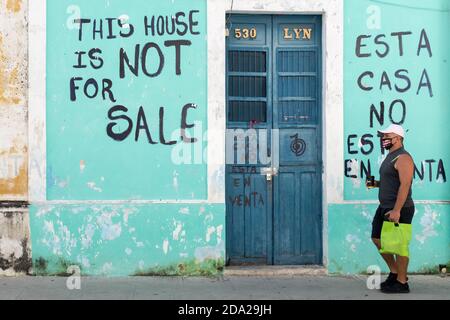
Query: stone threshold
[(266, 271)]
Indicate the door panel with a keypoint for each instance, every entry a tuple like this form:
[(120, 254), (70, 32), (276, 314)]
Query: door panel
[(297, 217), (249, 210), (256, 215), (311, 216), (299, 146), (297, 115), (249, 105), (249, 72)]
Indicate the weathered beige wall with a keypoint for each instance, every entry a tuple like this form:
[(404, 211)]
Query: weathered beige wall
[(13, 100), (14, 225), (15, 249)]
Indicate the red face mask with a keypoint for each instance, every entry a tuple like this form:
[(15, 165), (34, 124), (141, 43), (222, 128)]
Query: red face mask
[(387, 143)]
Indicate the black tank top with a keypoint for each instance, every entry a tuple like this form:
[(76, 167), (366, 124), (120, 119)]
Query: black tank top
[(390, 181)]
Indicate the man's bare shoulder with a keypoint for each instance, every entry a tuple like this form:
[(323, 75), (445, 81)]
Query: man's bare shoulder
[(404, 160)]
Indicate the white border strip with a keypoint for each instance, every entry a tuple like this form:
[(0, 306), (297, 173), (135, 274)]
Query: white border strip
[(37, 100), (216, 100)]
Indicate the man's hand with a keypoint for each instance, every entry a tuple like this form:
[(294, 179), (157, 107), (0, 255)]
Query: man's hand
[(394, 216)]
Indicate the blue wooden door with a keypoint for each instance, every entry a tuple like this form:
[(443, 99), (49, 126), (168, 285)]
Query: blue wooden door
[(273, 191)]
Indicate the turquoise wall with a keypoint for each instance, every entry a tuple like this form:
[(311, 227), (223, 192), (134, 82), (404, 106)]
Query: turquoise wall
[(121, 240), (121, 145), (83, 160), (425, 116), (414, 81)]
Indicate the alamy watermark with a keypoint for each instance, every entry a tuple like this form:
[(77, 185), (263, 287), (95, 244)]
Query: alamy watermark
[(73, 282), (374, 280)]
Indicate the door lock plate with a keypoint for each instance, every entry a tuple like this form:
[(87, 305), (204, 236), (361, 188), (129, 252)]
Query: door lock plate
[(269, 172)]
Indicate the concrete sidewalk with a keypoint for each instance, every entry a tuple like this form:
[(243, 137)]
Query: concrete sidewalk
[(222, 288)]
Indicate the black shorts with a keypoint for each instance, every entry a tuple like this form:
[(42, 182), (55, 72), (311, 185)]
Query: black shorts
[(406, 216)]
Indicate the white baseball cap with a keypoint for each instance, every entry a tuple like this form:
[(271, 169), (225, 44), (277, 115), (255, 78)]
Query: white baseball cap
[(394, 128)]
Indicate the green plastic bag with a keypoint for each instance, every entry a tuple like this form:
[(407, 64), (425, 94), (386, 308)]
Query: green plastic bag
[(395, 238)]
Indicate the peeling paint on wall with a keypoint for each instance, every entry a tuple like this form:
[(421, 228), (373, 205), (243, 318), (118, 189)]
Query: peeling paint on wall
[(13, 100), (16, 180), (11, 248), (209, 252), (127, 239), (13, 53), (177, 231), (15, 252), (13, 5), (352, 251), (428, 222), (353, 241)]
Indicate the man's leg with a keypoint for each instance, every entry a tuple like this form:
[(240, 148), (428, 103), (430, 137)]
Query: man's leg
[(389, 258), (402, 267), (406, 216)]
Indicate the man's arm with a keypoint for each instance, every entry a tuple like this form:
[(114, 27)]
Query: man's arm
[(405, 168)]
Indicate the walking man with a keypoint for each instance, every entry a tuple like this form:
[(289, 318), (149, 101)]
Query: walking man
[(396, 204)]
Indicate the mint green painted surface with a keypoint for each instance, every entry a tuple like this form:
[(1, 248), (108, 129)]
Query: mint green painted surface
[(427, 117), (82, 161), (121, 240), (352, 251)]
